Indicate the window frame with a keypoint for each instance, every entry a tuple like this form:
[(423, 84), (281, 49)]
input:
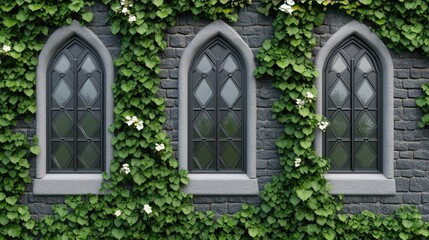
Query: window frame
[(363, 183), (70, 183), (219, 183)]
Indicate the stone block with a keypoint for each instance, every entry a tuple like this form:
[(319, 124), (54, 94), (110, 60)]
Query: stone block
[(412, 199), (402, 184), (419, 185)]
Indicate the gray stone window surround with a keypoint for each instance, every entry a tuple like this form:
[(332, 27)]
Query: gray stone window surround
[(355, 183), (219, 183), (79, 183)]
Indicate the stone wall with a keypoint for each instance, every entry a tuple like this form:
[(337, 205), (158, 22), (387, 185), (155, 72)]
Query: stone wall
[(411, 143)]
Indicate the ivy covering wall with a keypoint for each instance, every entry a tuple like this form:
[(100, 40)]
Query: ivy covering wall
[(143, 197)]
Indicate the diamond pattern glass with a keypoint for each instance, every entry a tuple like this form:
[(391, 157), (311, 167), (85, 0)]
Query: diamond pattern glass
[(62, 93), (62, 156), (230, 66), (339, 93), (366, 155), (63, 64), (339, 155), (88, 66), (366, 124), (204, 66), (204, 124), (203, 93), (63, 124), (365, 92), (230, 155), (230, 124), (230, 93), (90, 125), (89, 92), (340, 124), (89, 157), (352, 50), (339, 65), (203, 156), (364, 65)]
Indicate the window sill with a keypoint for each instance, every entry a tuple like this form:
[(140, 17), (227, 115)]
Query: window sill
[(221, 184), (68, 184), (361, 184)]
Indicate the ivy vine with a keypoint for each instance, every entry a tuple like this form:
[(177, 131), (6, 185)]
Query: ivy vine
[(143, 197)]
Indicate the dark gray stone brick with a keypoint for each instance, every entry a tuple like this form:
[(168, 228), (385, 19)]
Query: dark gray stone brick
[(412, 198), (402, 185), (419, 185), (402, 74)]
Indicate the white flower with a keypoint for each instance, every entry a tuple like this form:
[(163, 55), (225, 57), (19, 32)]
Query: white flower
[(118, 213), (139, 125), (6, 48), (122, 2), (132, 18), (300, 103), (323, 125), (286, 7), (290, 2), (147, 208), (309, 95), (125, 10), (129, 121), (159, 147), (125, 168), (297, 162)]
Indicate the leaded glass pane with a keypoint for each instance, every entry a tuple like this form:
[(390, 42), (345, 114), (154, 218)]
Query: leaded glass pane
[(62, 93), (339, 93), (364, 65), (89, 156), (366, 156), (339, 65), (365, 92), (204, 124), (89, 92), (62, 156), (76, 49), (63, 124), (230, 155), (203, 156), (88, 66), (90, 125), (204, 66), (62, 65), (230, 66), (230, 124), (352, 50), (230, 93), (203, 93), (366, 123), (340, 124), (340, 155)]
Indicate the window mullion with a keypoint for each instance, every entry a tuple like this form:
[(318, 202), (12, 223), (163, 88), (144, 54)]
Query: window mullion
[(75, 115), (217, 67), (352, 113)]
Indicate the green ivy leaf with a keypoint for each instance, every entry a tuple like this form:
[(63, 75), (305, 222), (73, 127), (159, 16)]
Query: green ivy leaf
[(158, 2), (304, 194), (35, 150), (118, 233), (253, 232), (87, 16)]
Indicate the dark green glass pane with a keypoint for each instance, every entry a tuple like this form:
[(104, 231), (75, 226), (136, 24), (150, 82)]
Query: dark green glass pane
[(230, 93), (89, 156), (340, 124), (203, 124), (203, 156), (339, 93), (230, 124), (203, 93), (63, 124), (340, 156), (62, 93), (230, 155), (90, 125), (89, 92), (88, 66), (62, 156), (62, 64), (366, 157), (230, 66), (366, 124)]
